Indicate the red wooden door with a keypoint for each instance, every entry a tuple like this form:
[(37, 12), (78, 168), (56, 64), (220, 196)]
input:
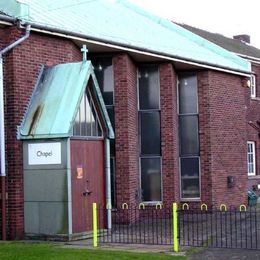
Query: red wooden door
[(88, 181)]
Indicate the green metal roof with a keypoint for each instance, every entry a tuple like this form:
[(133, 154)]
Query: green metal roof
[(56, 99), (125, 24)]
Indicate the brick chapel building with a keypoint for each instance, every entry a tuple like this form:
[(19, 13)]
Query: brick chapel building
[(184, 118)]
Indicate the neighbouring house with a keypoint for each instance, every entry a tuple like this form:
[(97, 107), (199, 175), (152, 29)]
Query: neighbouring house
[(240, 45), (178, 105)]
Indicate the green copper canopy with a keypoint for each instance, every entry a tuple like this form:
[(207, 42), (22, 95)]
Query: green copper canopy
[(56, 99)]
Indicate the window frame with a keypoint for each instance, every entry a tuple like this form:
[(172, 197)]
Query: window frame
[(188, 156), (180, 178), (253, 86), (254, 158), (139, 133)]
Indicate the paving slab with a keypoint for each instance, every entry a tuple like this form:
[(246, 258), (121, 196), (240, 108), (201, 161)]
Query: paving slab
[(225, 254)]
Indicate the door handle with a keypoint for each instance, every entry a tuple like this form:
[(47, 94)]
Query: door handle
[(86, 192)]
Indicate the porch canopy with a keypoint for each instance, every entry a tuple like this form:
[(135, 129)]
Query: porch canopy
[(56, 99)]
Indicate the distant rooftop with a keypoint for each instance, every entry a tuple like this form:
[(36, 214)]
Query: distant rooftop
[(124, 24), (233, 45)]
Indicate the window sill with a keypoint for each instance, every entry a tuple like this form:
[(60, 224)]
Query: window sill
[(191, 200), (151, 203), (87, 138), (252, 177), (255, 98)]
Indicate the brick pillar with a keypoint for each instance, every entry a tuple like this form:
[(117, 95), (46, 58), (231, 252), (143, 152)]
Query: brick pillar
[(22, 65), (126, 125), (204, 138), (223, 138), (169, 134)]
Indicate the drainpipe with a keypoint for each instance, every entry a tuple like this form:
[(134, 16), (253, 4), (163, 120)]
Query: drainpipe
[(108, 184), (2, 127)]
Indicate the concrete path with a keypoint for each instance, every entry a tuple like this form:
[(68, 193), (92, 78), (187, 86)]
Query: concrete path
[(225, 254), (191, 253)]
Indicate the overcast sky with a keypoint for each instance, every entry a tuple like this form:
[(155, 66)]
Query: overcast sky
[(228, 17)]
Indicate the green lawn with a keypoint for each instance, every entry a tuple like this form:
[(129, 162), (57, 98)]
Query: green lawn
[(28, 251)]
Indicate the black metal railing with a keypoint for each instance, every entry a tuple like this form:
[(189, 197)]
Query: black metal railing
[(136, 226), (202, 227), (220, 228)]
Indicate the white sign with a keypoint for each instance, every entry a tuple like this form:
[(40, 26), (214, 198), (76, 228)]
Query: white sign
[(44, 153)]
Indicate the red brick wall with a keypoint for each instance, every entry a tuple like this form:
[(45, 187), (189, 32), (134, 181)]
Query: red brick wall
[(22, 65), (253, 115), (222, 112), (126, 128), (223, 137), (204, 137), (169, 134)]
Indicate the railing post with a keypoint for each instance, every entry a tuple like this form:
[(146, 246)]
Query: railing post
[(94, 211), (175, 227)]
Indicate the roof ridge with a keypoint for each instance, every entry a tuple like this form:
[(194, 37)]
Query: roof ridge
[(228, 43)]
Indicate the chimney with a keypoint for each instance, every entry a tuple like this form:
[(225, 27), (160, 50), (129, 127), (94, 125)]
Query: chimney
[(244, 38)]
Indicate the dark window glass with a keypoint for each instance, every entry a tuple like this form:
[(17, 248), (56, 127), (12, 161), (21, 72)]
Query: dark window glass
[(189, 136), (188, 98), (151, 179), (149, 90), (188, 128), (86, 122), (105, 77), (150, 133), (190, 182)]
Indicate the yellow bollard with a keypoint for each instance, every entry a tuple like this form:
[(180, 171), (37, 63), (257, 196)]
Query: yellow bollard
[(94, 209), (175, 227)]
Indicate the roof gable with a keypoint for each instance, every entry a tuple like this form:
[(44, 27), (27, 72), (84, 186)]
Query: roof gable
[(56, 99), (125, 24)]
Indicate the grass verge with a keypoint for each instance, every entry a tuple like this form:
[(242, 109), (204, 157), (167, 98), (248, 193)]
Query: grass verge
[(50, 251)]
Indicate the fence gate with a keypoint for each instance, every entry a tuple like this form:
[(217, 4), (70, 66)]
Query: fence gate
[(220, 228)]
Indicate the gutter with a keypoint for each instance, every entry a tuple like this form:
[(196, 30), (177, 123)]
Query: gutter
[(126, 47), (2, 127), (249, 58)]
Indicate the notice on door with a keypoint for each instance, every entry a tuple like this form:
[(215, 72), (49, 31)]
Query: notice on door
[(44, 153)]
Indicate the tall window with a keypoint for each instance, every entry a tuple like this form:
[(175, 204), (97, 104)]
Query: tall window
[(149, 133), (253, 86), (105, 76), (189, 137), (86, 122), (251, 167)]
